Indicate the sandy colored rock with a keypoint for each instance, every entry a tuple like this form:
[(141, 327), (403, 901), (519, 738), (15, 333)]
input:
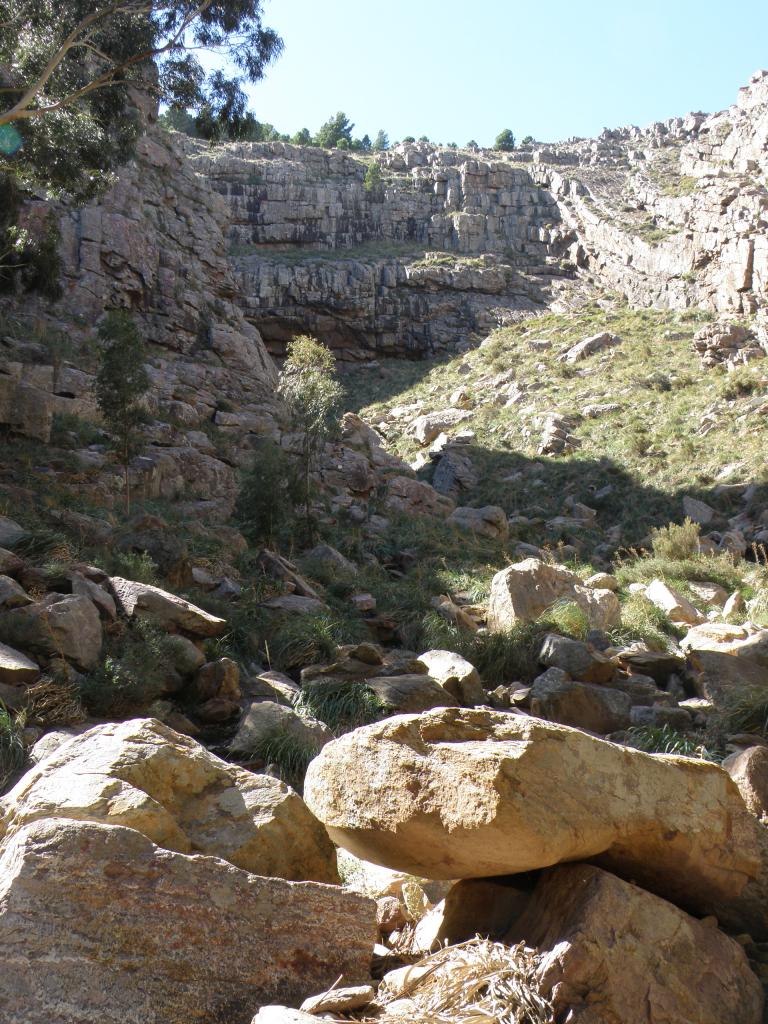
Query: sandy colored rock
[(488, 521), (456, 675), (339, 1000), (16, 669), (266, 719), (133, 932), (168, 610), (524, 591), (61, 625), (474, 793), (576, 658), (614, 954), (749, 770), (411, 692), (597, 709), (143, 775), (674, 605), (12, 594)]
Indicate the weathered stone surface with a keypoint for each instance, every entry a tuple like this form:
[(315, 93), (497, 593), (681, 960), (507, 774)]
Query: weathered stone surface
[(524, 591), (749, 770), (720, 677), (456, 675), (16, 669), (614, 954), (133, 932), (61, 625), (576, 658), (473, 793), (12, 595), (677, 607), (588, 347), (339, 1000), (168, 610), (10, 532), (598, 709), (414, 497), (266, 719), (474, 906), (144, 775), (489, 521), (411, 692)]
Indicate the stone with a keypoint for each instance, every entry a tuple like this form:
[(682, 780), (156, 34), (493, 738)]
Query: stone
[(597, 709), (330, 557), (339, 1000), (749, 770), (425, 429), (614, 954), (414, 497), (61, 625), (474, 906), (474, 793), (105, 907), (282, 1015), (527, 589), (103, 601), (264, 720), (456, 675), (16, 669), (10, 533), (719, 677), (220, 678), (295, 604), (589, 346), (675, 606), (657, 716), (699, 511), (167, 610), (12, 595), (186, 656), (411, 692), (576, 658), (143, 775), (602, 581), (10, 564), (709, 593), (489, 521)]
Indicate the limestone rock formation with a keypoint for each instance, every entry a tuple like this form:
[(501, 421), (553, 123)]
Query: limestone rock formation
[(129, 931), (145, 776), (168, 610), (468, 793)]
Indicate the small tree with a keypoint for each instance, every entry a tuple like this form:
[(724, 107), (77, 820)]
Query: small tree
[(505, 141), (471, 145), (270, 489), (528, 140), (312, 396), (373, 183), (121, 383), (409, 138), (302, 138), (381, 142)]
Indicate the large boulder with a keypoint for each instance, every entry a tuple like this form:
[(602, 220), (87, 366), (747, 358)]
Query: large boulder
[(108, 928), (167, 610), (488, 521), (170, 788), (415, 497), (474, 793), (411, 692), (749, 770), (578, 659), (524, 591), (456, 675), (61, 625), (264, 720), (614, 954)]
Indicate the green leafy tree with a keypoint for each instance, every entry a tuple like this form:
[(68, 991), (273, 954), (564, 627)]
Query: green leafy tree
[(121, 383), (334, 130), (302, 138), (471, 145), (528, 140), (365, 143), (343, 143), (409, 138), (312, 396), (373, 182), (505, 141), (381, 142), (423, 138), (70, 74)]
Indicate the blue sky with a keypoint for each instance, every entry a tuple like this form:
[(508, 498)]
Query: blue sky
[(455, 70)]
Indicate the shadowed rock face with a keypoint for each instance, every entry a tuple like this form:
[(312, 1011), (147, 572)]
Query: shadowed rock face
[(130, 932), (467, 794)]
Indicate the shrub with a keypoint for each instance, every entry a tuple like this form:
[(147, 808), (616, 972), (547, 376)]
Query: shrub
[(341, 705), (134, 672), (301, 640), (739, 384), (505, 141), (373, 182), (134, 565), (665, 740), (13, 754), (676, 542), (269, 492), (286, 754), (641, 620)]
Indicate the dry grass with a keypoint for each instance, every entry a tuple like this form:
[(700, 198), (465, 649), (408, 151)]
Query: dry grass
[(474, 982)]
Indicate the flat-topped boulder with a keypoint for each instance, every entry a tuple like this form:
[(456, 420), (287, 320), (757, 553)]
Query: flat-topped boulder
[(108, 928), (60, 625), (474, 793), (16, 669), (167, 610), (167, 786)]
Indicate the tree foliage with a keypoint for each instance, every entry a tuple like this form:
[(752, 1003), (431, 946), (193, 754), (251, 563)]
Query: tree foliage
[(121, 383), (381, 142), (505, 141), (373, 182), (268, 495), (334, 130), (70, 75), (312, 397)]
